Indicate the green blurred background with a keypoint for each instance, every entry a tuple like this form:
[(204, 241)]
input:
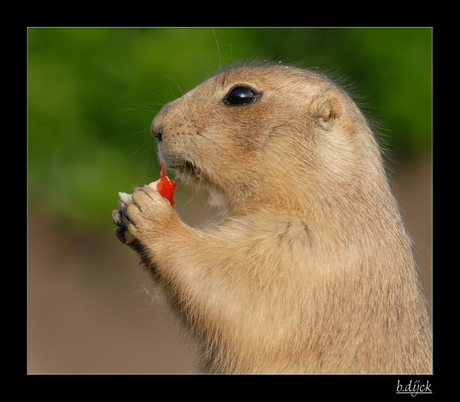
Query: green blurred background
[(92, 94)]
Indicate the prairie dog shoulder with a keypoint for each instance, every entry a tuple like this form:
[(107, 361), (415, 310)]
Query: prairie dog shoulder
[(309, 267)]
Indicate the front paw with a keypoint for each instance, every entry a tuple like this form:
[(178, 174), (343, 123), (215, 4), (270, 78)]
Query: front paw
[(121, 219), (143, 216)]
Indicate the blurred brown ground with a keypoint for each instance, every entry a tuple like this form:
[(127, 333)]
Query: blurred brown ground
[(88, 309)]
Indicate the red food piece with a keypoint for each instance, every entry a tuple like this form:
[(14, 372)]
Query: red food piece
[(166, 186)]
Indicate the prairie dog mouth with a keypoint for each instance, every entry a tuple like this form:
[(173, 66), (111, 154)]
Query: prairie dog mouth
[(187, 168)]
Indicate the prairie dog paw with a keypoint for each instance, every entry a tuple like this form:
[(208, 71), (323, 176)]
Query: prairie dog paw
[(144, 211), (120, 219)]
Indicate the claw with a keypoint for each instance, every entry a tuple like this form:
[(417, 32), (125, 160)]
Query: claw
[(116, 217), (125, 198), (121, 220)]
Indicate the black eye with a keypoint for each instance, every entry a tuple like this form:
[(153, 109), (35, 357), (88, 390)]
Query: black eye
[(241, 96)]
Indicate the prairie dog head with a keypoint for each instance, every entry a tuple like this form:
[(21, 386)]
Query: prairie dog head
[(265, 134)]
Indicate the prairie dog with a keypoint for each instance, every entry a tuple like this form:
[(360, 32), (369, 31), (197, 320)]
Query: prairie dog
[(308, 267)]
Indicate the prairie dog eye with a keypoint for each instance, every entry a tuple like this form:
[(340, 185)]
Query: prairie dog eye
[(241, 96)]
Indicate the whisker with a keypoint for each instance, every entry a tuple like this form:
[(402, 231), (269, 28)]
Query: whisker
[(140, 132), (175, 82), (218, 48)]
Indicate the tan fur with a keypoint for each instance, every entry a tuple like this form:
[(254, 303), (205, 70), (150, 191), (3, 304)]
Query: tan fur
[(309, 268)]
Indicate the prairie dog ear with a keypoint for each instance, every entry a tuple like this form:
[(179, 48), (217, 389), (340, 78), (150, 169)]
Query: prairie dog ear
[(326, 109)]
